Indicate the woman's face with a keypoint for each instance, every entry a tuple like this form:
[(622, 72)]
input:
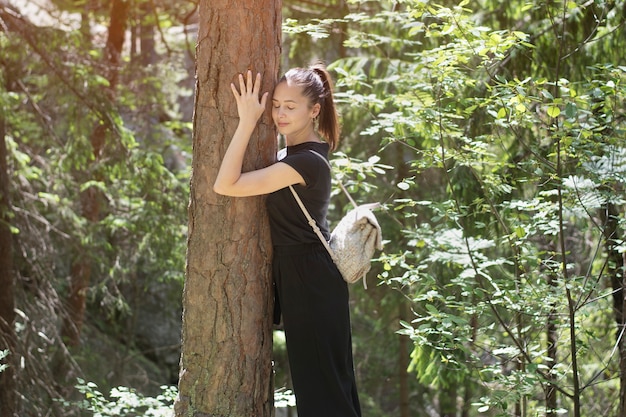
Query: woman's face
[(292, 112)]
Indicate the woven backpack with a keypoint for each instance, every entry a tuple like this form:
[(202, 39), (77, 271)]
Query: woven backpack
[(355, 238)]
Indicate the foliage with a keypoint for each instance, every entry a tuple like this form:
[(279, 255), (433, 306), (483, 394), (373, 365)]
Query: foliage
[(54, 91), (125, 402), (509, 147), (284, 398), (504, 125), (3, 354)]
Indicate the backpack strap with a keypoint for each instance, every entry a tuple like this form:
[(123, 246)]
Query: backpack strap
[(312, 221), (313, 224)]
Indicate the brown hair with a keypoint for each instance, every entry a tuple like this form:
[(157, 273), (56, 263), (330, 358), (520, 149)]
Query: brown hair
[(318, 87)]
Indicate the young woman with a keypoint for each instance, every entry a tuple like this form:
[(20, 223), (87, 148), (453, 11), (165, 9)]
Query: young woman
[(311, 293)]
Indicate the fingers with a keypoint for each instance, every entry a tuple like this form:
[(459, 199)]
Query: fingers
[(248, 86), (257, 82), (247, 96), (264, 99), (242, 85), (234, 90)]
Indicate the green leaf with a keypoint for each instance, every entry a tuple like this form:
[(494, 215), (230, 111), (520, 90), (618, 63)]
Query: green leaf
[(403, 186), (51, 198), (553, 111), (96, 184), (571, 110), (432, 309)]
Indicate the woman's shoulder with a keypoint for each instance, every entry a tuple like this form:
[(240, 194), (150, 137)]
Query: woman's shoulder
[(309, 159), (312, 156), (306, 148)]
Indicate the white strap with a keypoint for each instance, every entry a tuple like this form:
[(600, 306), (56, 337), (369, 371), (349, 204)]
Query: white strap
[(312, 223), (311, 220)]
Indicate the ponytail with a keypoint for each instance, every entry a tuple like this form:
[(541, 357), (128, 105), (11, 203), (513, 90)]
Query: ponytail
[(328, 119), (317, 85)]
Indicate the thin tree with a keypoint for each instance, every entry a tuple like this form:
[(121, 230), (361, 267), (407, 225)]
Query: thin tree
[(8, 405), (227, 300), (612, 235)]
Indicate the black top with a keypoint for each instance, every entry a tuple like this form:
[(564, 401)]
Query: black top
[(288, 225)]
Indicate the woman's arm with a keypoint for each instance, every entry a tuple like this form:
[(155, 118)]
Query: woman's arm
[(230, 180)]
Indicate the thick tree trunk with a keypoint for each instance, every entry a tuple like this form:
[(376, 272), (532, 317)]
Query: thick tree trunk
[(91, 197), (227, 300), (8, 404)]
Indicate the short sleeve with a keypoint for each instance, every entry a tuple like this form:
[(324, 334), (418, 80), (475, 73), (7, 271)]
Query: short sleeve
[(306, 164)]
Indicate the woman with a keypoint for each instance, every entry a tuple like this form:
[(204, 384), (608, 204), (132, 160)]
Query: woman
[(312, 295)]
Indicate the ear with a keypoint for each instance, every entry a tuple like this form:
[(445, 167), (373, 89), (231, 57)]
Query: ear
[(315, 110)]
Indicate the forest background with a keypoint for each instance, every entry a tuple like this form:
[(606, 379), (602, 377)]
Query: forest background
[(492, 132)]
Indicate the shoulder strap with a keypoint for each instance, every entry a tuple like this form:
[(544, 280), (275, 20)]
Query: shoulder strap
[(322, 158), (312, 223), (340, 183)]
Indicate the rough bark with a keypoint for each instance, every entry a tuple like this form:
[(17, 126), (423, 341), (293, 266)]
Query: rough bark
[(8, 404), (227, 299)]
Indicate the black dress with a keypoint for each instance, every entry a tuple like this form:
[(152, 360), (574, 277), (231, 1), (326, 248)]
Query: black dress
[(312, 295)]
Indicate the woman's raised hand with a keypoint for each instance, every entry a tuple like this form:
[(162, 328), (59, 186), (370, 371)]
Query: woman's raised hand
[(248, 105)]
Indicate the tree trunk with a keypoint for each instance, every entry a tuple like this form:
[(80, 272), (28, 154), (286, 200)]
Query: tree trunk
[(147, 25), (227, 299), (615, 270), (552, 344), (8, 404), (404, 358), (447, 400), (469, 383), (91, 197)]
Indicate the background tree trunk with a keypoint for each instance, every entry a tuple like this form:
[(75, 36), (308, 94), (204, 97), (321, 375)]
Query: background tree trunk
[(552, 342), (615, 270), (7, 302), (404, 357), (91, 197), (227, 299)]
